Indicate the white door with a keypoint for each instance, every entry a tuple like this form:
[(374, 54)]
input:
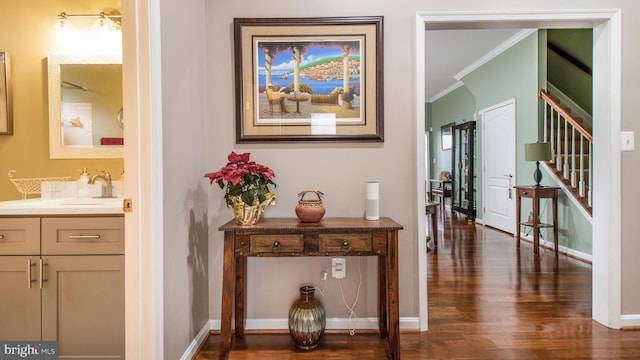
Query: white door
[(499, 157)]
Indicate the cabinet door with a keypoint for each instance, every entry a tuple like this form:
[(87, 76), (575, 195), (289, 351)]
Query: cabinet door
[(19, 298), (83, 305)]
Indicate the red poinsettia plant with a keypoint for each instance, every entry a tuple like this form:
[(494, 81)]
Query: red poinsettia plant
[(243, 179)]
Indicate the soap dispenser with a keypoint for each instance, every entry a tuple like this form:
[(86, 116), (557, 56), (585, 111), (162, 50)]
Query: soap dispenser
[(83, 184)]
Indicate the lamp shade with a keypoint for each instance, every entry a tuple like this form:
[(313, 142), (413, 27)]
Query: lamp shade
[(537, 151)]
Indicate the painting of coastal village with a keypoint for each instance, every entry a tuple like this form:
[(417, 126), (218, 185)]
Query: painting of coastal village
[(299, 81)]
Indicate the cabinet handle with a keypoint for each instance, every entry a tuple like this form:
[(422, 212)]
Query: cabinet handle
[(80, 237), (42, 279), (29, 281)]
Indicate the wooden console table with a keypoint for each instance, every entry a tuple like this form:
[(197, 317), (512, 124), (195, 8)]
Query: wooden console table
[(331, 237), (536, 193)]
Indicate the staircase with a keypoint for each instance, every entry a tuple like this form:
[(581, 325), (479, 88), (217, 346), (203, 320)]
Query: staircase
[(572, 149)]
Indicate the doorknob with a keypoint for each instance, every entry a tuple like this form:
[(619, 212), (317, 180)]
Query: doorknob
[(509, 175)]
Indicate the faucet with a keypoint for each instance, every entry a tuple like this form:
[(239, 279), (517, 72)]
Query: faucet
[(105, 178)]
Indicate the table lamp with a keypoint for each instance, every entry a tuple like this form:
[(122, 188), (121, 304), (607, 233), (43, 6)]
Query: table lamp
[(537, 152)]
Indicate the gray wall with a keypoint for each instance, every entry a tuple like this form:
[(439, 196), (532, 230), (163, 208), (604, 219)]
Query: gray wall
[(186, 133)]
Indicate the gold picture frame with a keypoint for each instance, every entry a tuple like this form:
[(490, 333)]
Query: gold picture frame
[(309, 79), (6, 112)]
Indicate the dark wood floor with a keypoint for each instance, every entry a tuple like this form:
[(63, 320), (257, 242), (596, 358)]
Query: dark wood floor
[(487, 300)]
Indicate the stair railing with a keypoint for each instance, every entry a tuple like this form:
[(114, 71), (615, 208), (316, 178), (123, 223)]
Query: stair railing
[(571, 146)]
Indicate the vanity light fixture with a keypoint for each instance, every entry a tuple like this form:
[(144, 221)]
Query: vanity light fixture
[(104, 20), (104, 36)]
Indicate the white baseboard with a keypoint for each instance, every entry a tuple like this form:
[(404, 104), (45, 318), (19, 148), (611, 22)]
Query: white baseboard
[(199, 339), (561, 249), (576, 110), (630, 321)]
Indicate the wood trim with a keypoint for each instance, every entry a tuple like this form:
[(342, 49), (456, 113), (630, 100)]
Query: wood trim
[(565, 55), (556, 106)]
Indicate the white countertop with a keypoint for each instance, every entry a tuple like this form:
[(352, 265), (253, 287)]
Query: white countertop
[(64, 206)]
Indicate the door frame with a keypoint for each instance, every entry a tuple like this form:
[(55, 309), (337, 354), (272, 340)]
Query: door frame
[(607, 81), (142, 94), (512, 205)]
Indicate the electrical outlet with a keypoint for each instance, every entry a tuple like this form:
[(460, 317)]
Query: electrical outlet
[(339, 268)]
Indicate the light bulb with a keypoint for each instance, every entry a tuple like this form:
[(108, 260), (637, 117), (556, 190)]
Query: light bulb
[(65, 34)]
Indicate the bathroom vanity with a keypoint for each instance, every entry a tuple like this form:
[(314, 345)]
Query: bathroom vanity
[(62, 274)]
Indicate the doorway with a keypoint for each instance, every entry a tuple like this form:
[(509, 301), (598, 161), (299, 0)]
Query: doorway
[(606, 237)]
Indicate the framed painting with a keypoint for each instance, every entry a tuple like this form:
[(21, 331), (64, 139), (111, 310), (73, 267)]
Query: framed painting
[(309, 79), (6, 122)]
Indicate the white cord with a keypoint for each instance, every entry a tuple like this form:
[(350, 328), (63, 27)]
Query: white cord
[(352, 314), (321, 291)]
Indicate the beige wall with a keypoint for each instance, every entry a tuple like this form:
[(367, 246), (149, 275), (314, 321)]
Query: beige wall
[(27, 34), (338, 170), (198, 124)]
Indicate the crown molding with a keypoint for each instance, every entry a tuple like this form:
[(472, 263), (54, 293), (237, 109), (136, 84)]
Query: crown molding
[(494, 53)]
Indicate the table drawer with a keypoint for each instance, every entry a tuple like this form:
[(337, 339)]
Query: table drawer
[(82, 235), (19, 236), (276, 243), (525, 193), (344, 242)]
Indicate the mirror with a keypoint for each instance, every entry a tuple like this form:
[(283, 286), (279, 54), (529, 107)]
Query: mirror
[(85, 106), (446, 133)]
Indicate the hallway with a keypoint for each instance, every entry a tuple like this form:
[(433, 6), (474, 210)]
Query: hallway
[(487, 300)]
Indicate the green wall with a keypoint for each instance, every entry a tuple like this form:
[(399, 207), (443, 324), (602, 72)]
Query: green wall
[(512, 74), (569, 79), (457, 107)]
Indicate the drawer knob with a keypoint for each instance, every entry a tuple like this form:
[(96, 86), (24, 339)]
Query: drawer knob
[(1, 236), (276, 247), (345, 245)]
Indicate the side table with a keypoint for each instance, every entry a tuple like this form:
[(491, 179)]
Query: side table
[(441, 189), (288, 237), (535, 193), (297, 98)]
